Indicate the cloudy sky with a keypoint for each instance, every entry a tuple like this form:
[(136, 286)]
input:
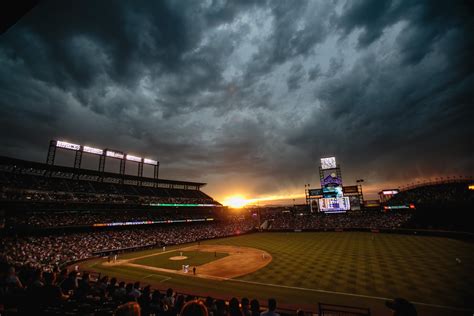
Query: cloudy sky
[(248, 95)]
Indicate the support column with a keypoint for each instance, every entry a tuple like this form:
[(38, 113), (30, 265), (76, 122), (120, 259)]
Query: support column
[(78, 159), (156, 173), (101, 166), (51, 153)]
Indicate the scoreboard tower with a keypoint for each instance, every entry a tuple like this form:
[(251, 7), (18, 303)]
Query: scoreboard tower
[(331, 198)]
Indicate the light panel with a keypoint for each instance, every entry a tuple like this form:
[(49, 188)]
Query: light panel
[(92, 150), (66, 145)]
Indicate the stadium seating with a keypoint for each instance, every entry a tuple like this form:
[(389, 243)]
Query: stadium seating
[(441, 206)]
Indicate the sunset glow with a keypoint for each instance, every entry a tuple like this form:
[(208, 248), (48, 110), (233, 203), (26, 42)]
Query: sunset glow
[(236, 201), (239, 201)]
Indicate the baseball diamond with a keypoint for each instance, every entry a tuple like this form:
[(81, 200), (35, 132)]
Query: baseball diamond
[(301, 268)]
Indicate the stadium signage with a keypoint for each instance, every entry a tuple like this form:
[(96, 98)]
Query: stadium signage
[(134, 158), (92, 150), (399, 207), (150, 161), (169, 221), (389, 192), (67, 145), (113, 154)]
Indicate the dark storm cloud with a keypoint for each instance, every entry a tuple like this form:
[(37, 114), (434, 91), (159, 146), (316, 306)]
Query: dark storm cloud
[(247, 91)]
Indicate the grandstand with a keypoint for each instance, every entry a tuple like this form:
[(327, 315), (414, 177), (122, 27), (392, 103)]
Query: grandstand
[(443, 204), (57, 219), (42, 195)]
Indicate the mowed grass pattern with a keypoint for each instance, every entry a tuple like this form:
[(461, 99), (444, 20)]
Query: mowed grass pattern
[(421, 269), (194, 258)]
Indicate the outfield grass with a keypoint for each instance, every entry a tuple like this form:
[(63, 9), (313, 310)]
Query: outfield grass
[(194, 258), (309, 267)]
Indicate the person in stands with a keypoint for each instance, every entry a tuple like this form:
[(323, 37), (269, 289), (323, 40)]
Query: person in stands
[(194, 308), (401, 307), (271, 308)]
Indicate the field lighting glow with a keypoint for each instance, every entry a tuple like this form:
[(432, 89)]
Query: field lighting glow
[(150, 161), (113, 154), (106, 152), (134, 158), (92, 150)]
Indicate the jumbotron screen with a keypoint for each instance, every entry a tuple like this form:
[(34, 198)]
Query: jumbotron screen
[(334, 205), (328, 163)]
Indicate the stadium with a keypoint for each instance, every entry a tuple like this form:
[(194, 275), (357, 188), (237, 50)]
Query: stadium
[(236, 158), (103, 233)]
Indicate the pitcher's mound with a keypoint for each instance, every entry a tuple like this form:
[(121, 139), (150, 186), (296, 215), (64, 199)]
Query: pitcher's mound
[(176, 258)]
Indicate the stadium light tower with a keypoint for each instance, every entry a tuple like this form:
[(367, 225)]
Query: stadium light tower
[(306, 192), (359, 187)]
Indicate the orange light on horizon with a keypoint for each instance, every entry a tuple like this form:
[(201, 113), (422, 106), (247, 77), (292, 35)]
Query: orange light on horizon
[(236, 201), (239, 201)]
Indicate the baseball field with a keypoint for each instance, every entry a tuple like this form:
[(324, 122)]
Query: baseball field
[(302, 269)]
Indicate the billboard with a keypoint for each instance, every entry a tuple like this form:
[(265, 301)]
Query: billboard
[(328, 163), (334, 205), (351, 190), (315, 192)]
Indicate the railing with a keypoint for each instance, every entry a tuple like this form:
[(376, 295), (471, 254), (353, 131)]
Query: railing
[(342, 310)]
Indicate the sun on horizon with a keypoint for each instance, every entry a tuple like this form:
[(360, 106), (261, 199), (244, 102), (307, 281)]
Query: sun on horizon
[(235, 201)]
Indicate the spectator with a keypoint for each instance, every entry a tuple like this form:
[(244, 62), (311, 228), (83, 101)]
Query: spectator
[(234, 309), (245, 307), (12, 280), (401, 307), (70, 284), (221, 309), (271, 308), (255, 307), (51, 294), (156, 304), (128, 309), (194, 308)]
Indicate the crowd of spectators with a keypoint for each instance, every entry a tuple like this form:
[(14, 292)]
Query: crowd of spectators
[(444, 194), (29, 291), (321, 221), (61, 196), (27, 187), (54, 250)]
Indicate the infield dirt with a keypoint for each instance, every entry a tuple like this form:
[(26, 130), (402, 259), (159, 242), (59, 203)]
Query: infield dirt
[(240, 261)]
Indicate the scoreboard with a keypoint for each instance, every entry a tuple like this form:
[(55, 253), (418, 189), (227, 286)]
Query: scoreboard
[(334, 205)]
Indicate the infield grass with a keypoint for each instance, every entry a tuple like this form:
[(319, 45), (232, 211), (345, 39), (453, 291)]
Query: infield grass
[(194, 258), (309, 267)]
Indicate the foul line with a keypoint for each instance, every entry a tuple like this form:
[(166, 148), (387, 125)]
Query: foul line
[(349, 294), (164, 278)]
